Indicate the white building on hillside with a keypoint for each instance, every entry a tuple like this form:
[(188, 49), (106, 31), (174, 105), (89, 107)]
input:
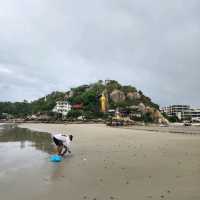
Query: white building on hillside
[(62, 107)]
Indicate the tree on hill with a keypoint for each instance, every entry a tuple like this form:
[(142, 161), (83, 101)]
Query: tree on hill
[(112, 85), (17, 109), (47, 103), (128, 88), (22, 109)]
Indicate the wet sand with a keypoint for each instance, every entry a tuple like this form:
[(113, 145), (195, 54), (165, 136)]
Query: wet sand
[(113, 163)]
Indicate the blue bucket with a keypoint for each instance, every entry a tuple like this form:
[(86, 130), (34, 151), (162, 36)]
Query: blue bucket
[(55, 158)]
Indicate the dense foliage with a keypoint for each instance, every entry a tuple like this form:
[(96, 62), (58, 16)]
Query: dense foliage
[(171, 118), (22, 109), (18, 109)]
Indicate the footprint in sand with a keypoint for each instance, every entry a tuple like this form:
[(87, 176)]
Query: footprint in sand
[(127, 182), (101, 180)]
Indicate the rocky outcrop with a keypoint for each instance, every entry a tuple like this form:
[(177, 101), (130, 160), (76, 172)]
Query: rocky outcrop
[(141, 108), (159, 118), (117, 96), (156, 115), (133, 95)]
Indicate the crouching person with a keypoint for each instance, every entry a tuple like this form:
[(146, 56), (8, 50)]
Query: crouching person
[(63, 143)]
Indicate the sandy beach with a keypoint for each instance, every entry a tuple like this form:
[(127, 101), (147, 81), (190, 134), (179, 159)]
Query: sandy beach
[(115, 163)]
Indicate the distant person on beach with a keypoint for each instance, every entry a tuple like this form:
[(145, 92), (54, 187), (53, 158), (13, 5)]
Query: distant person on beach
[(63, 141)]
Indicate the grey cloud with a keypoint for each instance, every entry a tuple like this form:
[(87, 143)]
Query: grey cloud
[(54, 45)]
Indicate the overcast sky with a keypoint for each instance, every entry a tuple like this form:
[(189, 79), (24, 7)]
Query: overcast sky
[(48, 45)]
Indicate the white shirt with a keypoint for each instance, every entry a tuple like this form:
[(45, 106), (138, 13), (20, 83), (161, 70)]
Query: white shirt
[(65, 139)]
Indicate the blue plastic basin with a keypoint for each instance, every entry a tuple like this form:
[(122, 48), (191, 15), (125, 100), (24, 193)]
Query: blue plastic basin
[(55, 158)]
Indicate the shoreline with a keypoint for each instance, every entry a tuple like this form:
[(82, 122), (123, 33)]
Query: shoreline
[(174, 129)]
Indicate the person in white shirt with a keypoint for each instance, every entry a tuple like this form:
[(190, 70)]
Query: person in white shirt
[(63, 142)]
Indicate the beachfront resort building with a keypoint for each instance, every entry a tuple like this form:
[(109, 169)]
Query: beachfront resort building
[(183, 112), (62, 107), (193, 114), (175, 110)]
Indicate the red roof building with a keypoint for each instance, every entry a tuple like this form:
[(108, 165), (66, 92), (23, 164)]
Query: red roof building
[(77, 106)]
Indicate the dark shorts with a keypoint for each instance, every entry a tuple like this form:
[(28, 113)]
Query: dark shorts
[(57, 142)]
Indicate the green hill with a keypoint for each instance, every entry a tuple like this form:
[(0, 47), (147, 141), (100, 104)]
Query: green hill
[(87, 94), (119, 96)]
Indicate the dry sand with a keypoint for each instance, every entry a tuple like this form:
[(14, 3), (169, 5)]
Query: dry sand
[(115, 163)]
